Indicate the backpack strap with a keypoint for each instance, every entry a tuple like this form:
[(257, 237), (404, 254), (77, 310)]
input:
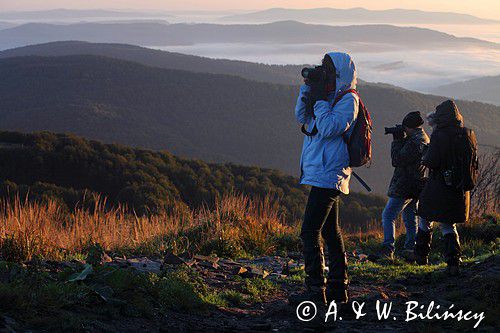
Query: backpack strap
[(337, 99), (347, 140)]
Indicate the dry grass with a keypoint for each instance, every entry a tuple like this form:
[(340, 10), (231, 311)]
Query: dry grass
[(236, 226)]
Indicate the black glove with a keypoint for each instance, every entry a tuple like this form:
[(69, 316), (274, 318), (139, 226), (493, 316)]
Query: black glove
[(398, 135), (309, 105), (318, 92)]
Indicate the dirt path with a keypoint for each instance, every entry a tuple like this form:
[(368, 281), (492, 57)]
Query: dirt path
[(275, 314), (477, 289)]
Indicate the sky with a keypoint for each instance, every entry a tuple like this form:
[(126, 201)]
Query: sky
[(482, 8)]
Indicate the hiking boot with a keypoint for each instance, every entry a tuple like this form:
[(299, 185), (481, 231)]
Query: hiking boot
[(313, 294), (408, 255), (387, 253), (422, 247), (337, 292), (452, 253), (337, 281), (384, 254), (453, 270), (343, 311)]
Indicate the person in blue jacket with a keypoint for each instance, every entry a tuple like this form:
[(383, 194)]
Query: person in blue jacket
[(324, 165)]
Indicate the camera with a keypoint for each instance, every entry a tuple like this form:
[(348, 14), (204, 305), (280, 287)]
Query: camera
[(316, 74), (394, 130)]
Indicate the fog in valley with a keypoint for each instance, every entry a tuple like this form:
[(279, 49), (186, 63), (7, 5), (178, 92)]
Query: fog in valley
[(416, 68)]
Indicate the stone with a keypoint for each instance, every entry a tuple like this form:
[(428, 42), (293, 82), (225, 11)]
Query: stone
[(285, 269), (199, 257), (172, 259), (383, 295), (208, 264), (228, 262), (7, 324), (295, 255), (186, 255), (277, 276), (239, 270), (221, 276), (97, 256), (363, 257), (260, 327), (145, 265), (254, 272)]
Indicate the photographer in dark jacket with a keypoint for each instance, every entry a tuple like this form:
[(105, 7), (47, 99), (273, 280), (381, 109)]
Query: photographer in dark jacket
[(407, 148), (438, 201)]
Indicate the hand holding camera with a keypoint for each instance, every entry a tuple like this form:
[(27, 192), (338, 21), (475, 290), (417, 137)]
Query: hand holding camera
[(411, 121), (397, 132), (316, 78)]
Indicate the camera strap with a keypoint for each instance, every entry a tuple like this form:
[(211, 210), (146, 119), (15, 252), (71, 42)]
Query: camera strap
[(312, 133), (361, 181)]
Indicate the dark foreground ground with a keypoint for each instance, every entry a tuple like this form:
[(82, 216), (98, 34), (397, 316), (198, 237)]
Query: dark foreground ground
[(208, 294)]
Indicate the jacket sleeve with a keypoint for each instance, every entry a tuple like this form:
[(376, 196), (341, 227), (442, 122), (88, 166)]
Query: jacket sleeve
[(336, 121), (431, 159), (404, 153), (301, 114)]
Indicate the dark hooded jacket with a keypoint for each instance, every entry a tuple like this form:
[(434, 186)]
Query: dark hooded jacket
[(439, 202), (408, 178)]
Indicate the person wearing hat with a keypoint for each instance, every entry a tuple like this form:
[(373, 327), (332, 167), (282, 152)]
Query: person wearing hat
[(440, 202), (406, 184)]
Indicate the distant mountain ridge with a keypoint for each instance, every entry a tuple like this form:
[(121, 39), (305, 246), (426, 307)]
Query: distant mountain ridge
[(355, 15), (484, 89), (217, 118), (62, 13), (282, 74), (286, 32), (6, 25)]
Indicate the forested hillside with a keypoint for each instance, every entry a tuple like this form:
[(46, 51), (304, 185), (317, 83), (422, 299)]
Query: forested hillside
[(73, 169), (216, 118), (484, 89), (283, 74)]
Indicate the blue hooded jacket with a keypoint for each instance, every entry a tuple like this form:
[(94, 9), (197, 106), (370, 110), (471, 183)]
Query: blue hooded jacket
[(325, 159)]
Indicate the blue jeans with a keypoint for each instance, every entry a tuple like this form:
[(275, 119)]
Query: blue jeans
[(446, 228), (394, 207)]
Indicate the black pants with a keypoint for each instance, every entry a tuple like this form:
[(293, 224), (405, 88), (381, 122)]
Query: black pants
[(321, 218)]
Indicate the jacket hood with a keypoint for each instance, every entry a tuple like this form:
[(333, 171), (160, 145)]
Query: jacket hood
[(346, 77), (447, 115)]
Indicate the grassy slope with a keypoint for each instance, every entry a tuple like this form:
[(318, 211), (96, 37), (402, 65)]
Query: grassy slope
[(41, 295)]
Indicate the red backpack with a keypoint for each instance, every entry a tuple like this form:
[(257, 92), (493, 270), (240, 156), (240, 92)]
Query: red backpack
[(359, 143)]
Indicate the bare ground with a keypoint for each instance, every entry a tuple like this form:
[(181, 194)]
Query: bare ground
[(476, 289)]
